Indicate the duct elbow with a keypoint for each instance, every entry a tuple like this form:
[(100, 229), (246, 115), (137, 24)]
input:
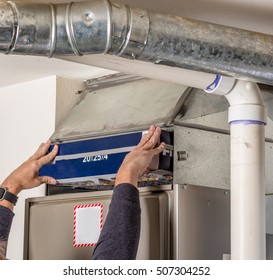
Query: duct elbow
[(246, 103)]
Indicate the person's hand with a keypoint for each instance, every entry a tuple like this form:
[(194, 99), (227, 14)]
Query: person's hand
[(26, 176), (136, 163)]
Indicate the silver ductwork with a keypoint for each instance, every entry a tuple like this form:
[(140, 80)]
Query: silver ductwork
[(103, 27)]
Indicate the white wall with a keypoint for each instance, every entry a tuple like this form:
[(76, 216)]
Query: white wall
[(27, 118), (68, 94)]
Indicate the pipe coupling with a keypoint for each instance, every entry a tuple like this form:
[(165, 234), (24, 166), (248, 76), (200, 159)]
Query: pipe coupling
[(246, 103), (247, 112)]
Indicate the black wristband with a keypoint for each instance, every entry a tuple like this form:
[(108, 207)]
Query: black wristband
[(5, 195)]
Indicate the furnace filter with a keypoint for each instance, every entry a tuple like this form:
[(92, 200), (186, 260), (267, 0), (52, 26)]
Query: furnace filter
[(96, 161)]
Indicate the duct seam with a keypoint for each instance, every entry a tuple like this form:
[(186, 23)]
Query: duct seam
[(137, 34), (15, 33), (128, 31), (70, 30), (109, 28), (53, 31)]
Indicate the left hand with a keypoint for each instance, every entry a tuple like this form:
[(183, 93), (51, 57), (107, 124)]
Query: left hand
[(26, 176)]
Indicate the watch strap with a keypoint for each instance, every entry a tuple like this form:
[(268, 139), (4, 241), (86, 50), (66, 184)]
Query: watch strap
[(12, 198)]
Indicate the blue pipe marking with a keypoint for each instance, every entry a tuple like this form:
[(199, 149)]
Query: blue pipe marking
[(247, 122), (214, 85)]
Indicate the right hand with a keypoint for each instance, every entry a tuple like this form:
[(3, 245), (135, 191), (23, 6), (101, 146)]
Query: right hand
[(136, 163)]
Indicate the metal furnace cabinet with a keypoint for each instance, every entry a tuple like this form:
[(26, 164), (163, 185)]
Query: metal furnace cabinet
[(177, 222), (49, 224)]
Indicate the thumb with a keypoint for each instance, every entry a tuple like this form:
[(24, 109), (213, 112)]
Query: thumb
[(146, 171)]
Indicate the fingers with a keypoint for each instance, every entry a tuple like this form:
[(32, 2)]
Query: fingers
[(153, 140), (42, 150), (49, 157), (159, 149), (150, 139), (45, 147), (147, 136), (47, 180), (37, 153)]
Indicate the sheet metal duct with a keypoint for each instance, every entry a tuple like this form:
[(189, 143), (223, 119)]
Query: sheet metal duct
[(103, 27)]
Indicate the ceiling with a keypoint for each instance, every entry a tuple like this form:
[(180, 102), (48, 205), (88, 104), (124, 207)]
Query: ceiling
[(253, 15)]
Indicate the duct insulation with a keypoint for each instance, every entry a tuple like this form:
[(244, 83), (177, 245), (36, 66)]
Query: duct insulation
[(102, 27)]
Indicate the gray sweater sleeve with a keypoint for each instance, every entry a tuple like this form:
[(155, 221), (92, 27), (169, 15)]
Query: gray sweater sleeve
[(6, 217), (120, 234)]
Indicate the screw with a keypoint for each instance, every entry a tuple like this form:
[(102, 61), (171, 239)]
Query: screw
[(27, 40), (89, 16), (141, 14)]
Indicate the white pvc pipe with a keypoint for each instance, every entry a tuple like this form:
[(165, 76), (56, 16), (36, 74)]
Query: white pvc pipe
[(247, 117), (211, 83), (247, 191)]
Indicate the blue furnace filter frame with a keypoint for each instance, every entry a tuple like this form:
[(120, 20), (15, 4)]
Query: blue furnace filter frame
[(97, 157)]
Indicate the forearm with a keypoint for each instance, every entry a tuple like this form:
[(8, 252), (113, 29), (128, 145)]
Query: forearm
[(126, 175), (26, 176), (120, 234), (6, 215)]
